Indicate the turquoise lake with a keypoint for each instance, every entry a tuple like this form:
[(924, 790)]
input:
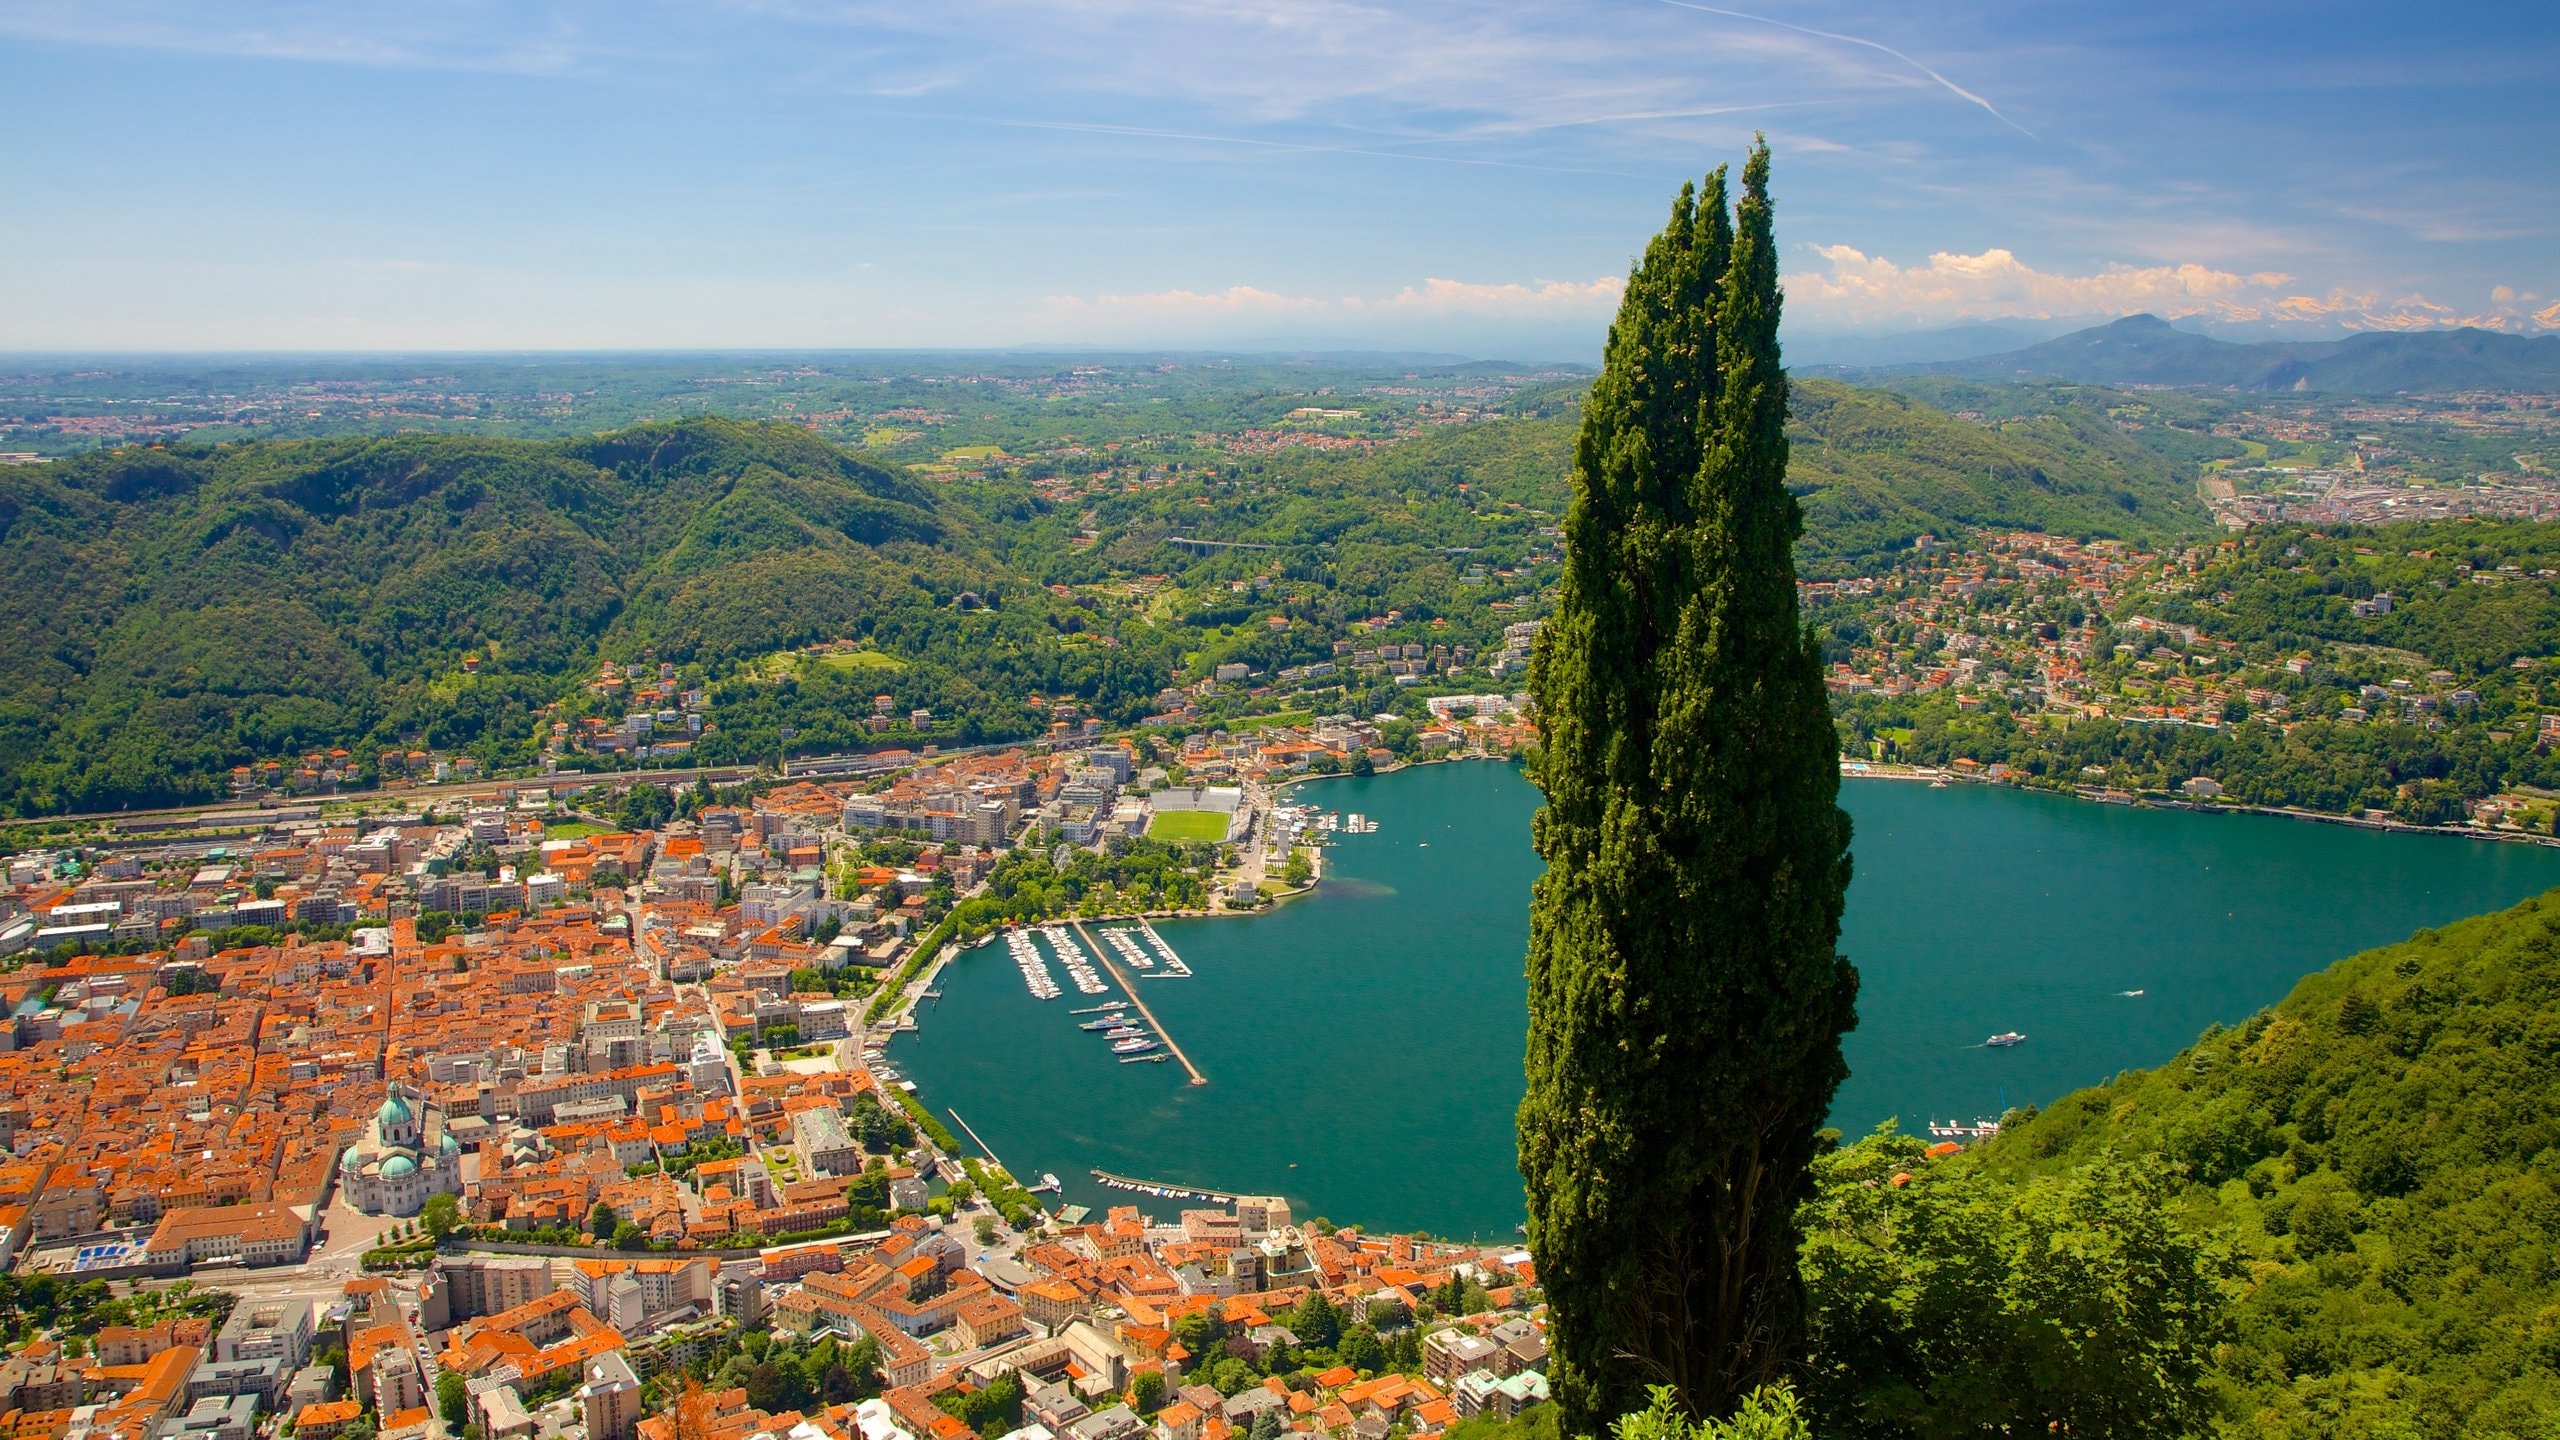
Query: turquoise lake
[(1370, 1035)]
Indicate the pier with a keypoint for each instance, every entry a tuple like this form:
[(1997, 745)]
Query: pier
[(1160, 1188), (1152, 1022), (974, 1140)]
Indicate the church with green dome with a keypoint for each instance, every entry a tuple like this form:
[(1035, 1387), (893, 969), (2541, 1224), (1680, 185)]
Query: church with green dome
[(405, 1156)]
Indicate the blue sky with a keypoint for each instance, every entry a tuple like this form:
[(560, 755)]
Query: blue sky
[(1466, 175)]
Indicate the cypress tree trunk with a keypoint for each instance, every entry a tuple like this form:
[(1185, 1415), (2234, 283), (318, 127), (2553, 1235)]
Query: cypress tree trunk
[(1686, 999)]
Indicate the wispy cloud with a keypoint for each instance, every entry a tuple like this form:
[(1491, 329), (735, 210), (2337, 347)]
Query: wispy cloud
[(475, 35), (1943, 82)]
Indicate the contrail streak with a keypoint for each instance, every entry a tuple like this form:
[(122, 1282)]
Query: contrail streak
[(1303, 148), (1951, 86)]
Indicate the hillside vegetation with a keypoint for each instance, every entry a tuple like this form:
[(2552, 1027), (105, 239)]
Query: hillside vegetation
[(178, 612), (2381, 1155), (1873, 469)]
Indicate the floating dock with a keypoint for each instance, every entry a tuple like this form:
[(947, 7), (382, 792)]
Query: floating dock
[(1152, 1022), (1161, 1189), (1175, 968)]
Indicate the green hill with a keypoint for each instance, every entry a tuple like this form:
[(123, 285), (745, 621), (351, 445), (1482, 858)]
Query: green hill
[(175, 613), (2381, 1152), (180, 612), (1874, 469)]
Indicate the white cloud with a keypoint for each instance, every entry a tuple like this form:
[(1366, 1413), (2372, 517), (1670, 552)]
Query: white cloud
[(1857, 288), (1996, 282)]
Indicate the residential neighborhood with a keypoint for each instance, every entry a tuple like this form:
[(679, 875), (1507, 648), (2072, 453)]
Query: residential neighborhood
[(514, 1117)]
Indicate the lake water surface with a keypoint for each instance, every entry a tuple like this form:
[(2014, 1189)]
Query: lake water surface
[(1370, 1035)]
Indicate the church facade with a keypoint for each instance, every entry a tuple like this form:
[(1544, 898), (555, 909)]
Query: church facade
[(405, 1156)]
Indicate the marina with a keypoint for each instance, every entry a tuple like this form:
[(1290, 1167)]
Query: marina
[(1149, 1015), (1162, 1190), (1971, 916), (1124, 942), (1174, 968), (1079, 965), (1035, 969)]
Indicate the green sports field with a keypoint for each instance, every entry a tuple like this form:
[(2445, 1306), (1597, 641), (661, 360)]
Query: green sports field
[(1184, 825)]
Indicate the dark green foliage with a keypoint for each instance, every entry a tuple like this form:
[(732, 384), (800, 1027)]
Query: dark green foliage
[(1538, 1422), (779, 1376), (179, 612), (1315, 1322), (1686, 1000), (1026, 885), (453, 1401), (2380, 1152), (176, 613), (878, 1129), (29, 1303), (991, 1410), (1945, 1301), (1873, 469)]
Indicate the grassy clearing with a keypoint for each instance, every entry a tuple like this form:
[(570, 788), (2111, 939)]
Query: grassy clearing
[(855, 660), (780, 663), (575, 830), (1185, 826)]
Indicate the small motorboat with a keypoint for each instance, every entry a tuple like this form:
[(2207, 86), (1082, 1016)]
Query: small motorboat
[(2005, 1039)]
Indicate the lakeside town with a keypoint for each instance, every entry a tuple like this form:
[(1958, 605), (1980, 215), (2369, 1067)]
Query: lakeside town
[(412, 1093), (2030, 635), (515, 1119)]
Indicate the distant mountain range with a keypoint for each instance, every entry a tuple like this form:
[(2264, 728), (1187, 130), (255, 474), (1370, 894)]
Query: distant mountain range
[(1840, 351), (2147, 350)]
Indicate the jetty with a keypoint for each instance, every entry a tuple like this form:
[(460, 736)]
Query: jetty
[(1152, 1022), (974, 1140), (1162, 1189)]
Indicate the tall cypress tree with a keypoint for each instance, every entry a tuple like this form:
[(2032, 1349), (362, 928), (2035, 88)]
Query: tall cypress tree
[(1686, 999)]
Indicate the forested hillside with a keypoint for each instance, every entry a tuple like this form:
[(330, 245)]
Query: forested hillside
[(178, 612), (2381, 1155), (1873, 469), (175, 613)]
